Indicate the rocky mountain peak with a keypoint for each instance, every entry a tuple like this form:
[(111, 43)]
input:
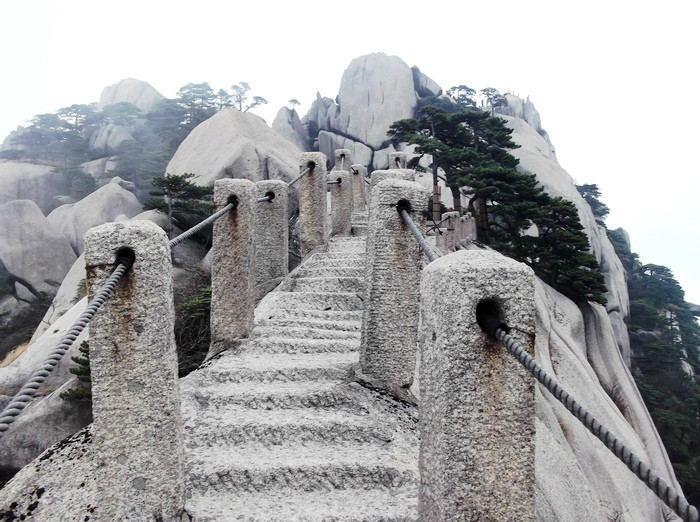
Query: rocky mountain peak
[(140, 93)]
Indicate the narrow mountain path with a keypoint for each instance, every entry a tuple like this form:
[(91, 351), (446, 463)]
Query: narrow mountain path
[(278, 431)]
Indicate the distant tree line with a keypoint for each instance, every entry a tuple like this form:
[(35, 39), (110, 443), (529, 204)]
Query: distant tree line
[(62, 139), (665, 344)]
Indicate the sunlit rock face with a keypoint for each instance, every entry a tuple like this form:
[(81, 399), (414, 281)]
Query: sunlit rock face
[(34, 257), (133, 91), (102, 206), (537, 156), (375, 91), (234, 144), (288, 125)]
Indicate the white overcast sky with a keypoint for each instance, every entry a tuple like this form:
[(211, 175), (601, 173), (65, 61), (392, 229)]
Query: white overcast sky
[(615, 82)]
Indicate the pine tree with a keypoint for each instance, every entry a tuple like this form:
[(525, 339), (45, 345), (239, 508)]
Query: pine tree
[(178, 196), (82, 371), (471, 147)]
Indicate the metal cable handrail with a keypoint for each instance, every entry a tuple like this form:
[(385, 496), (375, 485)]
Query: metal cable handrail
[(123, 265), (27, 392), (427, 249), (192, 231), (305, 171), (493, 326)]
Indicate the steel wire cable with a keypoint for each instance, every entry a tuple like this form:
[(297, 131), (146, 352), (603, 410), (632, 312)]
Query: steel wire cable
[(304, 172), (427, 249), (30, 388), (20, 401), (192, 231), (668, 494)]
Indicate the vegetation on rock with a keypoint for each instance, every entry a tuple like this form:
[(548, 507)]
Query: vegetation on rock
[(514, 214), (665, 345), (82, 371)]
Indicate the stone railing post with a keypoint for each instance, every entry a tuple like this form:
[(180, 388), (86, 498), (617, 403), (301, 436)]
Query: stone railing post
[(395, 260), (397, 160), (477, 404), (271, 236), (467, 228), (233, 265), (313, 229), (381, 175), (135, 393), (359, 174), (342, 159), (448, 240), (340, 187)]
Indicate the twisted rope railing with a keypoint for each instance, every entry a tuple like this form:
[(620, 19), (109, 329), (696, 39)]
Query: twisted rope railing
[(27, 392), (123, 264), (427, 249), (493, 326), (192, 231), (304, 173)]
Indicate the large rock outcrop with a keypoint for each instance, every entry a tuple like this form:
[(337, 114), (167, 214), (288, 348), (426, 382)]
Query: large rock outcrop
[(102, 206), (537, 156), (375, 91), (34, 257), (235, 144), (130, 90), (288, 125), (109, 140), (38, 183)]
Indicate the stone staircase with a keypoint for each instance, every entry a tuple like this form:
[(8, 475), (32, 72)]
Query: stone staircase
[(279, 431)]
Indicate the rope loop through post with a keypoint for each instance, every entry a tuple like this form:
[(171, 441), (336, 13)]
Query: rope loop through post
[(26, 393), (491, 324), (123, 263), (404, 208), (192, 231), (309, 167)]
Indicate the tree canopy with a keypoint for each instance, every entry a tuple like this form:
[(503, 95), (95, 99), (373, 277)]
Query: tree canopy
[(514, 214)]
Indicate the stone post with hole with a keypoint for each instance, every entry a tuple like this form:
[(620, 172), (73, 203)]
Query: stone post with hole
[(381, 175), (233, 265), (342, 159), (138, 435), (359, 187), (397, 160), (313, 228), (449, 239), (477, 404), (340, 188), (271, 236), (394, 263)]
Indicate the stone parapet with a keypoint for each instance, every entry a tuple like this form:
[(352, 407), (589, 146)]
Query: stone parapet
[(359, 187), (313, 228), (341, 190), (395, 260), (135, 391), (477, 407), (271, 236), (233, 265)]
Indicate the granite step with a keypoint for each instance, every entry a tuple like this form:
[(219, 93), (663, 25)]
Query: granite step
[(309, 467), (347, 505), (262, 395), (275, 368)]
